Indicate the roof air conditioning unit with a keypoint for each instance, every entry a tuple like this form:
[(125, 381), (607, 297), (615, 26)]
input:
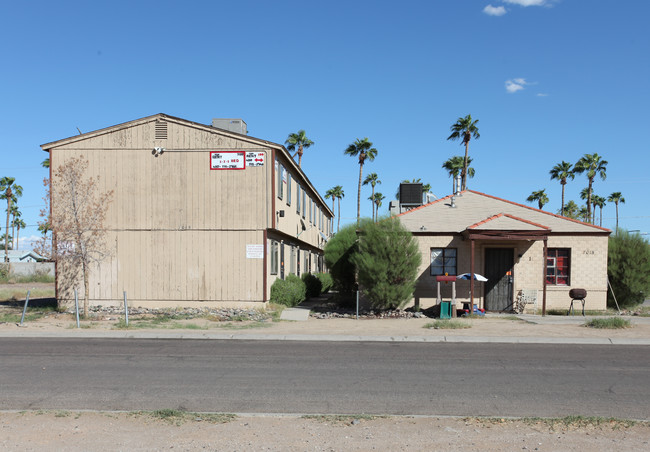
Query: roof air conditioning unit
[(410, 194)]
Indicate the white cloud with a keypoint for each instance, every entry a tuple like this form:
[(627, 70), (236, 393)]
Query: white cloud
[(515, 84), (27, 243), (494, 10), (542, 95), (526, 2)]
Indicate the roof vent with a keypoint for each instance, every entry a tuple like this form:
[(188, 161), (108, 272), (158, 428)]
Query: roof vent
[(232, 125), (161, 130)]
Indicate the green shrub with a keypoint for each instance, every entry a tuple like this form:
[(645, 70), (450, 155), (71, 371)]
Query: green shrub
[(388, 262), (313, 284), (628, 268), (326, 281), (338, 258), (289, 292), (609, 323)]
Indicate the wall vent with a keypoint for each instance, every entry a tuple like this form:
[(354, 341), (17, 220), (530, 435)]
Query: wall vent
[(161, 130)]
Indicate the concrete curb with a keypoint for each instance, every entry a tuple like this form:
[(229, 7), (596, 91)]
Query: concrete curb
[(327, 337)]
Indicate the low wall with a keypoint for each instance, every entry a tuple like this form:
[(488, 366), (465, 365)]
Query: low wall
[(32, 268)]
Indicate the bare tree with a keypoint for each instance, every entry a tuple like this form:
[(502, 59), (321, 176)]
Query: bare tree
[(77, 221)]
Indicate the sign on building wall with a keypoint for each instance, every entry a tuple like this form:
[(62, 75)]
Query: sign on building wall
[(255, 159), (254, 251), (227, 160)]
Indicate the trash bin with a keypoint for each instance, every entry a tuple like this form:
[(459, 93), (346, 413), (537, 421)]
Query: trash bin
[(445, 310)]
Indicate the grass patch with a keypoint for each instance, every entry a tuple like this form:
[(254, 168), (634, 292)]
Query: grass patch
[(574, 422), (8, 293), (243, 326), (24, 279), (158, 322), (178, 417), (341, 418), (609, 323), (447, 324), (31, 314)]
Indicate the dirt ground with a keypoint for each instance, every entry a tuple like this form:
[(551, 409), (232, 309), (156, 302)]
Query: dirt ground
[(74, 431)]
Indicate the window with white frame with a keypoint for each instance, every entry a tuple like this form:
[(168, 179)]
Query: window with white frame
[(288, 188), (558, 266), (274, 257)]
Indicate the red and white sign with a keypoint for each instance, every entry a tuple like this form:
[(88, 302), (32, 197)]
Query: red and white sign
[(255, 159), (227, 160)]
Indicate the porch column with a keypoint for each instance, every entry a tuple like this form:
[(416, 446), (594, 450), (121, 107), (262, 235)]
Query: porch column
[(471, 279), (544, 276)]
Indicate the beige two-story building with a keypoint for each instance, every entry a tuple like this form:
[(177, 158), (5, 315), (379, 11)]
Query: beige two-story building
[(524, 253), (202, 215)]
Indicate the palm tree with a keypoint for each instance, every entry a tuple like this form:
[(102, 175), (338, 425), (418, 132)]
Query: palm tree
[(465, 129), (19, 224), (540, 197), (364, 150), (571, 210), (15, 213), (46, 163), (454, 166), (373, 180), (584, 215), (6, 192), (336, 193), (584, 195), (592, 164), (378, 201), (300, 141), (562, 172), (616, 197), (598, 201)]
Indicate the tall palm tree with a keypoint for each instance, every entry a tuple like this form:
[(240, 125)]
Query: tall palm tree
[(454, 166), (9, 191), (562, 172), (464, 129), (598, 201), (336, 193), (373, 180), (593, 165), (364, 150), (300, 141), (616, 197), (378, 198), (540, 197), (15, 213), (20, 224), (584, 195)]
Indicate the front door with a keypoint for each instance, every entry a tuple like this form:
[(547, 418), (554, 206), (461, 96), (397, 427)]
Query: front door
[(498, 271)]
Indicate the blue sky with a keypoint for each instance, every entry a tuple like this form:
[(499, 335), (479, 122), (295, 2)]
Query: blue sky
[(548, 81)]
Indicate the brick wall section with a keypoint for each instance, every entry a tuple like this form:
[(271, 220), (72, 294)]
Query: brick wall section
[(588, 269)]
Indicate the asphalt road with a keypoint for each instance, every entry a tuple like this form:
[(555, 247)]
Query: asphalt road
[(326, 377)]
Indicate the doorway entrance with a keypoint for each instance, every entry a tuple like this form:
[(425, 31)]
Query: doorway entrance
[(498, 271)]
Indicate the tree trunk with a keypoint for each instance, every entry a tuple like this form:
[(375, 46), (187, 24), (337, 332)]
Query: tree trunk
[(338, 226), (589, 201), (616, 217), (464, 173), (8, 192), (86, 289), (17, 234), (372, 200), (563, 184), (300, 156), (359, 193)]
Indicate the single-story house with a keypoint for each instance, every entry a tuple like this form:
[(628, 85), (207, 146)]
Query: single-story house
[(522, 251)]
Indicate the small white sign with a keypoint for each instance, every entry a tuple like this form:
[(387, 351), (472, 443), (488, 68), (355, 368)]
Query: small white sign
[(254, 251), (227, 160), (255, 159)]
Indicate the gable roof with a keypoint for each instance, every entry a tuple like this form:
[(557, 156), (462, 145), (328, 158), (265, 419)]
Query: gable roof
[(206, 128), (476, 211)]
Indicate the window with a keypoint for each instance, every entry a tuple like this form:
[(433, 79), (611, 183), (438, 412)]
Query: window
[(274, 257), (298, 198), (558, 266), (288, 188), (292, 262), (443, 260), (304, 203), (281, 176)]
